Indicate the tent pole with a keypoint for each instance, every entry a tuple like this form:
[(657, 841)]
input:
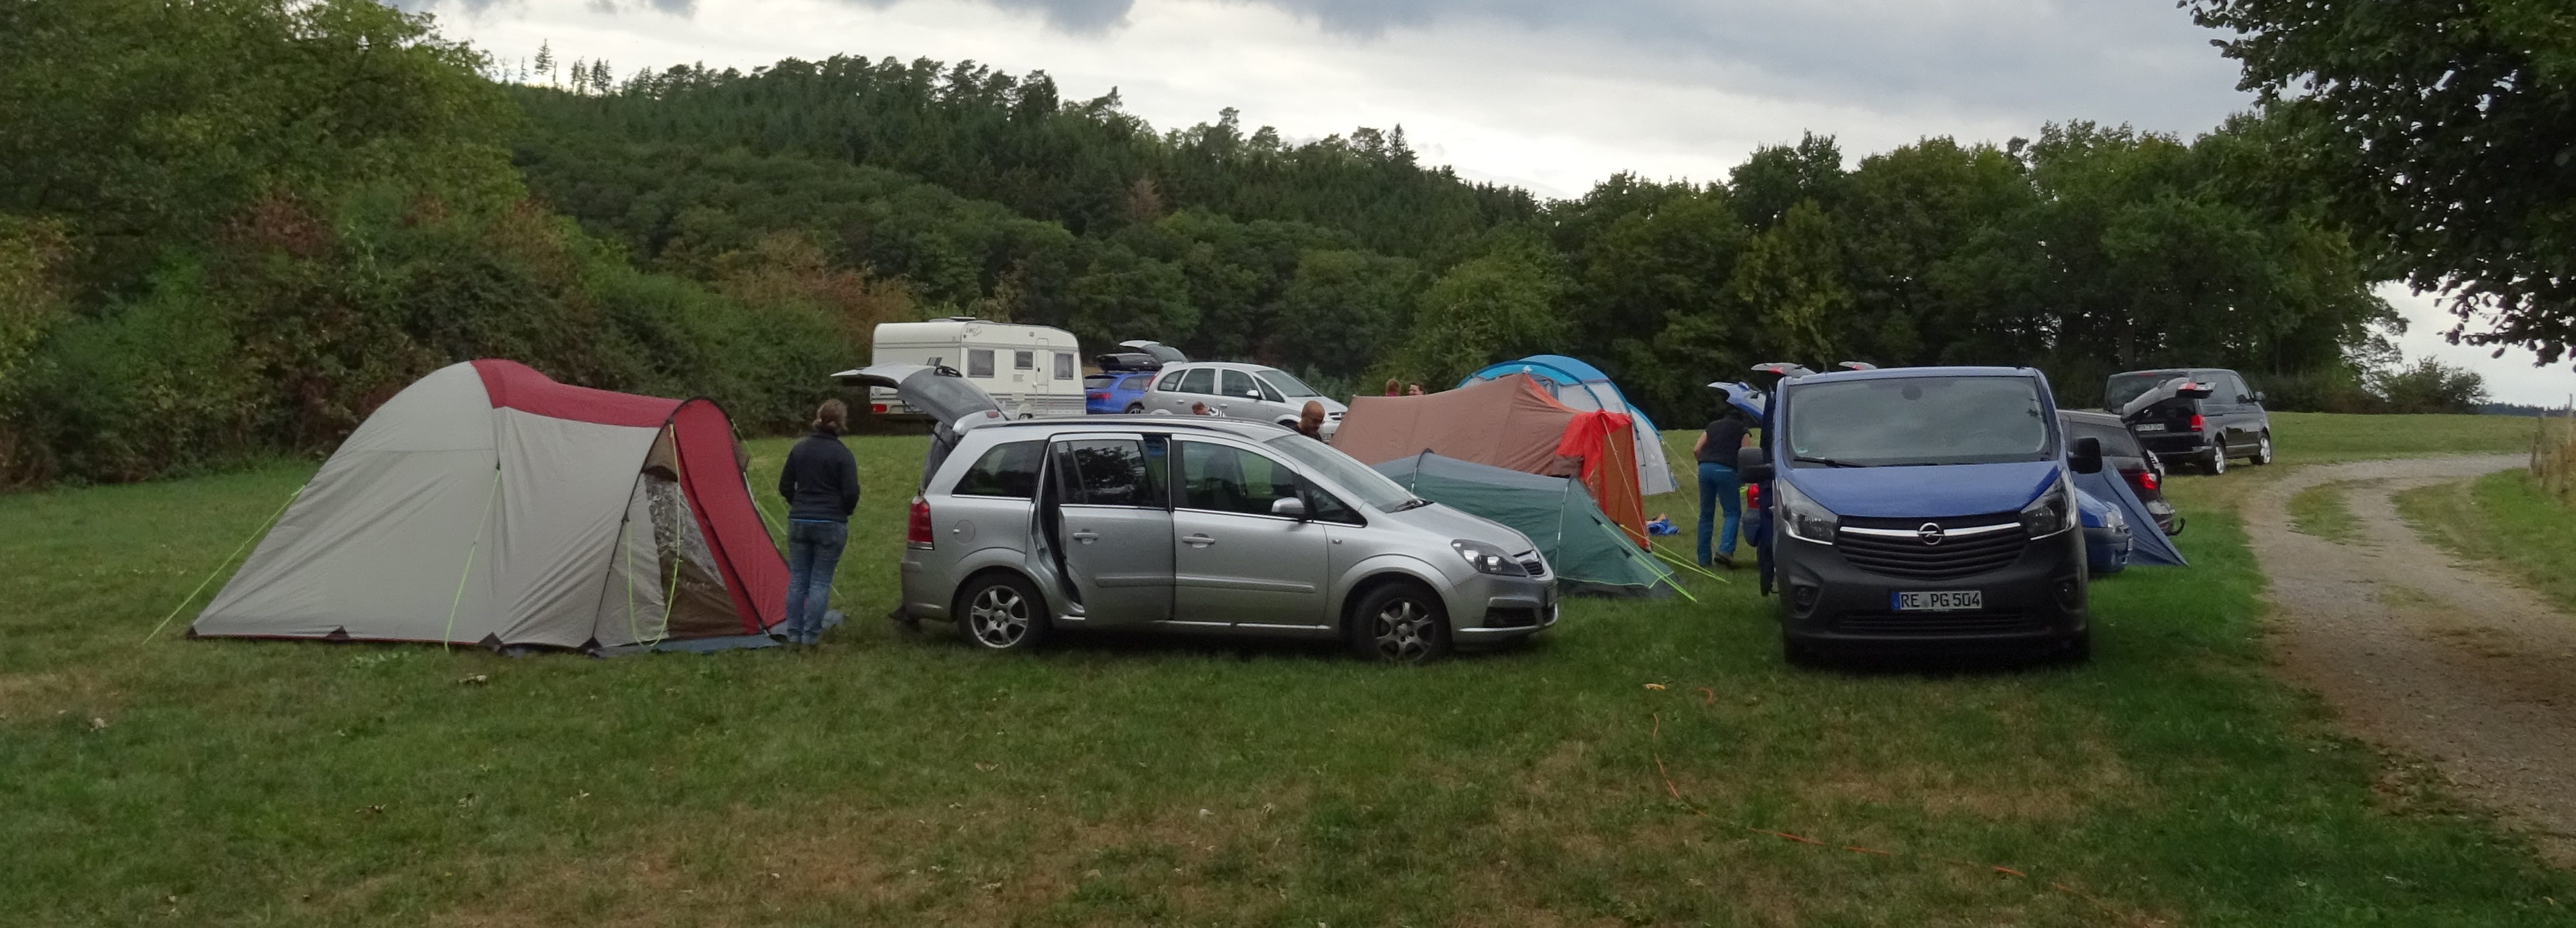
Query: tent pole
[(447, 639)]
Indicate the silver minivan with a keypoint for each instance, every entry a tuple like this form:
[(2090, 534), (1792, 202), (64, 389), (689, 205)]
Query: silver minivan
[(1238, 391), (1025, 527)]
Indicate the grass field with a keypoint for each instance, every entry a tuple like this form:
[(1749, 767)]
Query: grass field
[(892, 780), (2321, 511), (2506, 519)]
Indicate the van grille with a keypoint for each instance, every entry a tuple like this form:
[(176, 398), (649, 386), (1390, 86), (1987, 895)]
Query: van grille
[(1954, 557)]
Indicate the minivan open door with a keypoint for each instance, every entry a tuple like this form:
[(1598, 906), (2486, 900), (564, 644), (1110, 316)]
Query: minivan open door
[(947, 396)]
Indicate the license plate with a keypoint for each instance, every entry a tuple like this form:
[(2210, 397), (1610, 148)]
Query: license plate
[(1937, 601), (2148, 427)]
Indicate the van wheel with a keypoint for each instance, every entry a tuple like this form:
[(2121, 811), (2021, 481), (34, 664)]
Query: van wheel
[(1001, 612), (2216, 463), (1400, 623), (1135, 409), (2263, 450)]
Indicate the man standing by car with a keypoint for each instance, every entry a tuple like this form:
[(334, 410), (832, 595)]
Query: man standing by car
[(1718, 486), (821, 485)]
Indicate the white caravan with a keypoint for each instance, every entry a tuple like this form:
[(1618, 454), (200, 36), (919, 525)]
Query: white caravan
[(1032, 370)]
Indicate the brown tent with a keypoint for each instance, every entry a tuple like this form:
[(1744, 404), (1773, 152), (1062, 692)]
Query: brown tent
[(1508, 422)]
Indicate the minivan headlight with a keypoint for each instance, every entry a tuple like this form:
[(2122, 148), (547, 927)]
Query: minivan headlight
[(1805, 518), (2051, 513), (1488, 559)]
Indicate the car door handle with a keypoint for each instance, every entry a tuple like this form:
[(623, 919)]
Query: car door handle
[(1086, 537), (1197, 541)]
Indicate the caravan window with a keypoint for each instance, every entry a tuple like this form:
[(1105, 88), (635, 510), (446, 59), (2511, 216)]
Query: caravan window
[(1063, 366), (1024, 360), (979, 362)]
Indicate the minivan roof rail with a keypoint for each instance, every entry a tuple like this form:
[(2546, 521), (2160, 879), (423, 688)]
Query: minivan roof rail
[(1784, 369), (1857, 366)]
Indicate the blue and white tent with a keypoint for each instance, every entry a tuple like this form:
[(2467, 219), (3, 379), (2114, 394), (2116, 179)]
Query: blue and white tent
[(1584, 387)]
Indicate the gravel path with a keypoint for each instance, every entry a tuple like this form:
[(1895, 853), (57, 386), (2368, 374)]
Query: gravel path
[(2422, 654)]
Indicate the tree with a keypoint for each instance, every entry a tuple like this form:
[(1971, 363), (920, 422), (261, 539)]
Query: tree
[(1494, 306), (546, 61), (2447, 135), (1792, 279)]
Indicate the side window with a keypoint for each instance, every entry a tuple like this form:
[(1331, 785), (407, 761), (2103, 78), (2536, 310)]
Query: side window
[(1228, 479), (1239, 384), (1024, 360), (1198, 380), (979, 362), (1010, 470), (1171, 382), (1063, 366), (1134, 381), (1110, 472)]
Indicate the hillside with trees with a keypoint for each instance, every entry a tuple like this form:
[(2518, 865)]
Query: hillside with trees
[(285, 211)]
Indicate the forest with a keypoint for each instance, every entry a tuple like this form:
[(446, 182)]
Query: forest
[(283, 211)]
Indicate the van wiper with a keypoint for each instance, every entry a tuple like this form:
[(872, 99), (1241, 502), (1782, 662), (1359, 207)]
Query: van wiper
[(1828, 462), (1414, 503)]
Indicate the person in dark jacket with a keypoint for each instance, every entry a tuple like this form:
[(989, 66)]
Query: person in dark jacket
[(1718, 485), (821, 486)]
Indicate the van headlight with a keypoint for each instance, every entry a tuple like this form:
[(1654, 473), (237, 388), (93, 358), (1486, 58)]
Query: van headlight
[(1804, 518), (1488, 559), (2051, 513)]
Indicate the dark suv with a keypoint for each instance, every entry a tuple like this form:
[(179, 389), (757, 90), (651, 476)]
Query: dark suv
[(2204, 415)]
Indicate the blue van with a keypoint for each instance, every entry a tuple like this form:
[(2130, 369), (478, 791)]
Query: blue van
[(1923, 509)]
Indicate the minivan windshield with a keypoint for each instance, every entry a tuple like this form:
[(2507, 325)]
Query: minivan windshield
[(1883, 422), (2126, 387), (1346, 473), (1286, 385)]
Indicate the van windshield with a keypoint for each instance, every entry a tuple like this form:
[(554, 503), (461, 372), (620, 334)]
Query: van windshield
[(1917, 420), (2126, 387), (1286, 385), (1346, 473)]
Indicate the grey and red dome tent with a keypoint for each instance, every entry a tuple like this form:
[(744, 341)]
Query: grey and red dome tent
[(486, 504)]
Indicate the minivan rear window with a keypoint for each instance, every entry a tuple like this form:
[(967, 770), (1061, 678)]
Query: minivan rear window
[(1009, 470), (2125, 387)]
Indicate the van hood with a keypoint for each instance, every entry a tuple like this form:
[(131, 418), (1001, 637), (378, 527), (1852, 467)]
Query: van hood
[(1925, 492), (1452, 524)]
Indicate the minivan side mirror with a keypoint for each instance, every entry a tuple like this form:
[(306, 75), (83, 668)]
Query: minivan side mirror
[(2086, 456), (2258, 396), (1290, 507), (1751, 464)]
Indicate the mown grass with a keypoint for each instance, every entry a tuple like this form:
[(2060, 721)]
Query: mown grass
[(2506, 519), (2328, 438), (2322, 511), (889, 780)]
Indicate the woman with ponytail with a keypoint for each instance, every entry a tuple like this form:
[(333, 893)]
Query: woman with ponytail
[(821, 486)]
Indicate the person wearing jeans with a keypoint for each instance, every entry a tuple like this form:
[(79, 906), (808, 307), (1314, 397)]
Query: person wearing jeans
[(821, 485), (1719, 489)]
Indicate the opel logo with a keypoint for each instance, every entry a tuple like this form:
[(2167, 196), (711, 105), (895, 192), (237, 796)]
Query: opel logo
[(1930, 533)]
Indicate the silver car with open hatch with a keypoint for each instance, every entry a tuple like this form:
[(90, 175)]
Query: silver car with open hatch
[(1196, 524)]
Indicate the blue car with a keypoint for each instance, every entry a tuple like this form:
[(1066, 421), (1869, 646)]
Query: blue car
[(1925, 509), (1115, 393), (2106, 535)]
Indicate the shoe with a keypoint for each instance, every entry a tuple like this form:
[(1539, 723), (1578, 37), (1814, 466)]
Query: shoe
[(1726, 560)]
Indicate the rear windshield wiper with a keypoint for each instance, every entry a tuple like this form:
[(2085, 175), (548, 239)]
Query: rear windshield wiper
[(1828, 462)]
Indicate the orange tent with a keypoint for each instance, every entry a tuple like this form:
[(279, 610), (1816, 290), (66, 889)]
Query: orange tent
[(1507, 422)]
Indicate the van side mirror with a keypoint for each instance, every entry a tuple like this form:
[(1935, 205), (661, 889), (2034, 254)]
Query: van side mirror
[(1289, 507), (1752, 464), (2086, 456)]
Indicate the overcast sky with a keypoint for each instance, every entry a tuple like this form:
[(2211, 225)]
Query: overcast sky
[(1550, 95)]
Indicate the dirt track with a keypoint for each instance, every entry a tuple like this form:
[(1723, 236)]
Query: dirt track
[(2421, 654)]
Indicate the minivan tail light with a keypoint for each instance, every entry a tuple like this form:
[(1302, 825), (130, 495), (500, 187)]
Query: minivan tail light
[(916, 529), (879, 407), (2198, 422), (2147, 480)]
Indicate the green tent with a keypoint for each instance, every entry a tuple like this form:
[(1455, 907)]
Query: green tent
[(1588, 551)]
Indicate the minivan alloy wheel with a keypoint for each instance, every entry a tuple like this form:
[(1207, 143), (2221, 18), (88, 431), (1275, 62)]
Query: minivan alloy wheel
[(1400, 623), (2263, 449), (999, 617), (1403, 631)]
